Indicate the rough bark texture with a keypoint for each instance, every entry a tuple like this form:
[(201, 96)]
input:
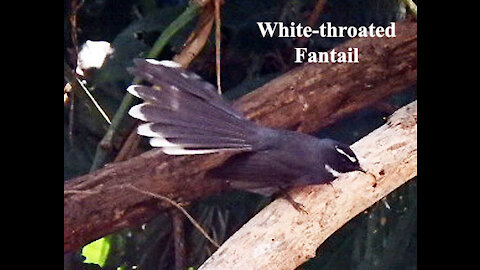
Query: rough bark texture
[(280, 237), (307, 98)]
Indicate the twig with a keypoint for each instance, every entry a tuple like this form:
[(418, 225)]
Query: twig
[(87, 192), (76, 84), (316, 12), (129, 146), (179, 207), (218, 39), (75, 6), (312, 19), (178, 238), (197, 39), (71, 116), (172, 29), (95, 103), (73, 23)]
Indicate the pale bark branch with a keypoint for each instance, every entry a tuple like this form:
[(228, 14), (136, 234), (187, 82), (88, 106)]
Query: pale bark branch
[(306, 98), (280, 237)]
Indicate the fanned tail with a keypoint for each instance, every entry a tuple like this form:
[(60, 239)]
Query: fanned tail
[(184, 114)]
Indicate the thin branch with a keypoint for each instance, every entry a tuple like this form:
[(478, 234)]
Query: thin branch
[(197, 39), (179, 207), (218, 38), (81, 90), (129, 147), (189, 13), (178, 238), (312, 19), (92, 99), (75, 6)]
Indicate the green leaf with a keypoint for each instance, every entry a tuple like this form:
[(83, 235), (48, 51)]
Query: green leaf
[(97, 251)]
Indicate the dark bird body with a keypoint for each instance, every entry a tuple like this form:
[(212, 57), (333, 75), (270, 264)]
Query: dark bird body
[(186, 116), (283, 159)]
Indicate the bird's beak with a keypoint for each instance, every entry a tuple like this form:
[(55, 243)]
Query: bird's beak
[(360, 169), (366, 172)]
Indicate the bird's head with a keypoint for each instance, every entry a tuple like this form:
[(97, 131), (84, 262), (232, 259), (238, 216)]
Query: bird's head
[(339, 158)]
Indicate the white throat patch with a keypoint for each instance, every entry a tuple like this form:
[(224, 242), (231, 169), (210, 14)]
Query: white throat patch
[(332, 171), (352, 159)]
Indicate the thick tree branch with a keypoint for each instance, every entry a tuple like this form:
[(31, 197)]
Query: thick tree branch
[(307, 98), (280, 237)]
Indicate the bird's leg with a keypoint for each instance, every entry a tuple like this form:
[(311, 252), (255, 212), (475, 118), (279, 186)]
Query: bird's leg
[(334, 190), (298, 206)]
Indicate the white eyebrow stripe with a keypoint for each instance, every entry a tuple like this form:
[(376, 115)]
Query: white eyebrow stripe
[(352, 159)]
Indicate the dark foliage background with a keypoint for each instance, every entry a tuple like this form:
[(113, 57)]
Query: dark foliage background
[(383, 237)]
